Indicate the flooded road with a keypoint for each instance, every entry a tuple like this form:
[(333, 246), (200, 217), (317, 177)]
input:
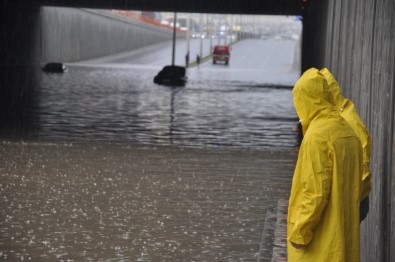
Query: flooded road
[(101, 164), (235, 106), (125, 105)]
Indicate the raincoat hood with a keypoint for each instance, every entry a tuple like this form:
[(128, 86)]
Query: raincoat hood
[(338, 100), (311, 95)]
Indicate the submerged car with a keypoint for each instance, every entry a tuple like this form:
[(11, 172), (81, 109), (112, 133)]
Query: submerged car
[(54, 68), (221, 53), (171, 75)]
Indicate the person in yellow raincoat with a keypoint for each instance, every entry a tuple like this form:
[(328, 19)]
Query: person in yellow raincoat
[(323, 211), (348, 112)]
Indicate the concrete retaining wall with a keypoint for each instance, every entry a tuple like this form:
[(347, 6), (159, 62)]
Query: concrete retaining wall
[(355, 40), (70, 34)]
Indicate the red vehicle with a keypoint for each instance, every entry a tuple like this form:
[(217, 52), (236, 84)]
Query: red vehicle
[(221, 53)]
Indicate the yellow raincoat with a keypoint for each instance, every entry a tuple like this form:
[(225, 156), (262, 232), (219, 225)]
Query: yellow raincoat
[(348, 112), (323, 211)]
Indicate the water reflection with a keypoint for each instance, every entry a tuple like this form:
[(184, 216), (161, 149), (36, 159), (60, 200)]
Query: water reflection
[(110, 104)]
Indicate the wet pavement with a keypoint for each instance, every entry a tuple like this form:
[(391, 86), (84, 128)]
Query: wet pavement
[(125, 202)]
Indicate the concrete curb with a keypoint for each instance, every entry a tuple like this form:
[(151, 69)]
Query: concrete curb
[(280, 234)]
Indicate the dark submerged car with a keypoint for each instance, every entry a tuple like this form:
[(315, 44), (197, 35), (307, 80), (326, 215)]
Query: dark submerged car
[(171, 76), (54, 68)]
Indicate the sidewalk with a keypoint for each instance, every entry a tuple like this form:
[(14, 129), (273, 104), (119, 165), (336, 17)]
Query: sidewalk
[(100, 202)]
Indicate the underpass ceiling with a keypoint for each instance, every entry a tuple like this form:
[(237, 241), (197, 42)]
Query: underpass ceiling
[(264, 7)]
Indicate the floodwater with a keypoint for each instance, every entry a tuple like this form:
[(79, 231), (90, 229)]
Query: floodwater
[(101, 164), (247, 104), (123, 104)]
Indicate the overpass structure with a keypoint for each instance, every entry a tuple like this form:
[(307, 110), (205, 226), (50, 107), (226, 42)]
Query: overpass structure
[(354, 39), (273, 7)]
